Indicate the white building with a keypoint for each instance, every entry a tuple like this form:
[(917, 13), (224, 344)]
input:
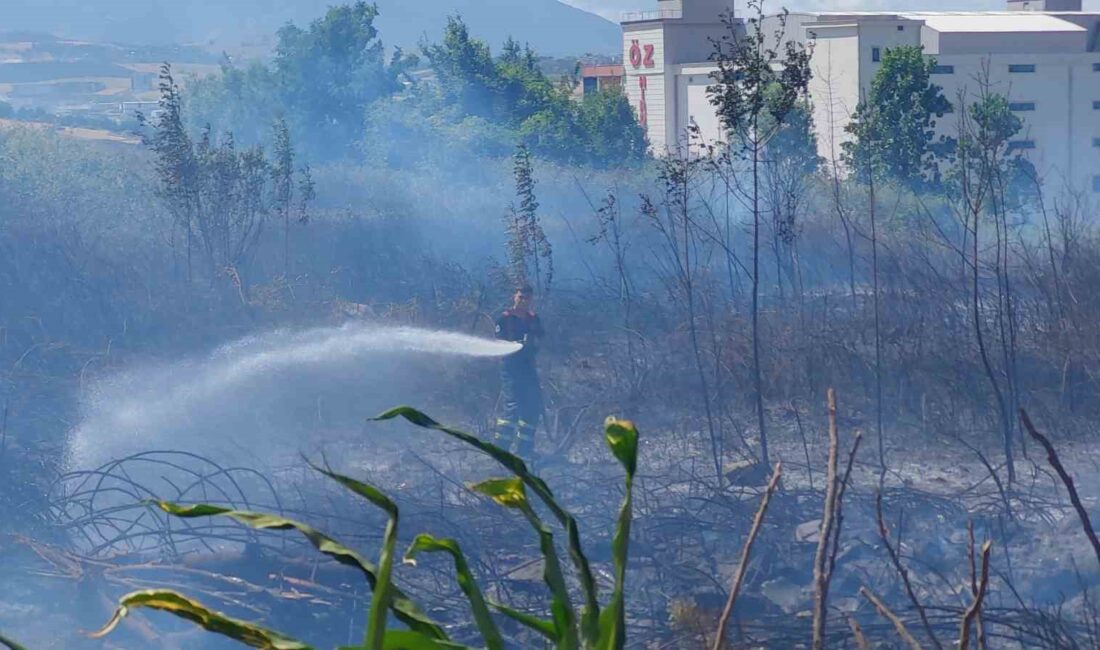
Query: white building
[(1044, 56)]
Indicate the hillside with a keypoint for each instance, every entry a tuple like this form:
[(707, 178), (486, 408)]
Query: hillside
[(550, 26)]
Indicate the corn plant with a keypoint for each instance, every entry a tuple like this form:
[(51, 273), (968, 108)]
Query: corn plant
[(565, 629)]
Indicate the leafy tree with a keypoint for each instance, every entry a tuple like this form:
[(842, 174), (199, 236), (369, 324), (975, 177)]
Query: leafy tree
[(244, 100), (757, 87), (219, 195), (512, 90), (610, 130), (332, 71), (894, 126), (468, 76), (322, 80)]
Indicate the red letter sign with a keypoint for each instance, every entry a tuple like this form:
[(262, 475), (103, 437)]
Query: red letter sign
[(648, 61), (635, 54)]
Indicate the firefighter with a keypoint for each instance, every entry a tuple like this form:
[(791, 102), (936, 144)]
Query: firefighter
[(520, 391)]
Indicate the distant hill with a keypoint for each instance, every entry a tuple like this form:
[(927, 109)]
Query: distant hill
[(551, 27)]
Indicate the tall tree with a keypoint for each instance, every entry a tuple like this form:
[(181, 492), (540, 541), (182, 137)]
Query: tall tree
[(290, 197), (330, 72), (983, 166), (893, 130), (761, 77), (464, 66), (176, 165)]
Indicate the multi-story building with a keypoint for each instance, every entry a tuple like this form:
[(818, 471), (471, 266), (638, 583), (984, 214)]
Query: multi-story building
[(1043, 55)]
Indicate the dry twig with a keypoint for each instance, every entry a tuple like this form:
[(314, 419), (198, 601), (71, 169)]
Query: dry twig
[(835, 546), (974, 581), (857, 634), (1067, 480), (821, 574), (975, 609), (902, 631), (739, 577), (895, 558)]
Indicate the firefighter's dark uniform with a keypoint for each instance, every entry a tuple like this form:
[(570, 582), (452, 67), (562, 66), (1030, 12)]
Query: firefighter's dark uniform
[(519, 378)]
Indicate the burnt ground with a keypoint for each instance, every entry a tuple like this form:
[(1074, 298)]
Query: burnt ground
[(687, 537)]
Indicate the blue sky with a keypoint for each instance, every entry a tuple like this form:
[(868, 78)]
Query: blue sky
[(613, 8)]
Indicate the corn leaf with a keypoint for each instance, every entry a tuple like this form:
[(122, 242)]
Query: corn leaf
[(380, 599), (510, 492), (9, 644), (425, 543), (591, 612), (622, 438), (542, 626), (174, 603), (409, 640), (403, 607)]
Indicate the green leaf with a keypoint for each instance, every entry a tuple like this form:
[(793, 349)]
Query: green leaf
[(590, 614), (403, 607), (425, 543), (540, 625), (622, 438), (178, 605), (409, 640), (11, 645), (383, 590), (510, 493)]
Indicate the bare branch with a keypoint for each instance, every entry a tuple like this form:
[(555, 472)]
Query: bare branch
[(1067, 480), (975, 608)]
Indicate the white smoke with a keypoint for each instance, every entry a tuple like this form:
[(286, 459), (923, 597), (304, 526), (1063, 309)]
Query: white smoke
[(265, 393)]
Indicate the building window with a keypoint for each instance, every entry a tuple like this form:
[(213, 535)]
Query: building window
[(1021, 67), (1096, 142), (943, 69), (901, 28), (1096, 106), (1096, 183), (1096, 67), (1020, 107), (876, 54), (1021, 145)]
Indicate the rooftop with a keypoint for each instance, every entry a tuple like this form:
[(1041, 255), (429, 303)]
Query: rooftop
[(1016, 22)]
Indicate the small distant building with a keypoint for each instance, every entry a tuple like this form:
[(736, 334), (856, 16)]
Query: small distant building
[(595, 78)]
